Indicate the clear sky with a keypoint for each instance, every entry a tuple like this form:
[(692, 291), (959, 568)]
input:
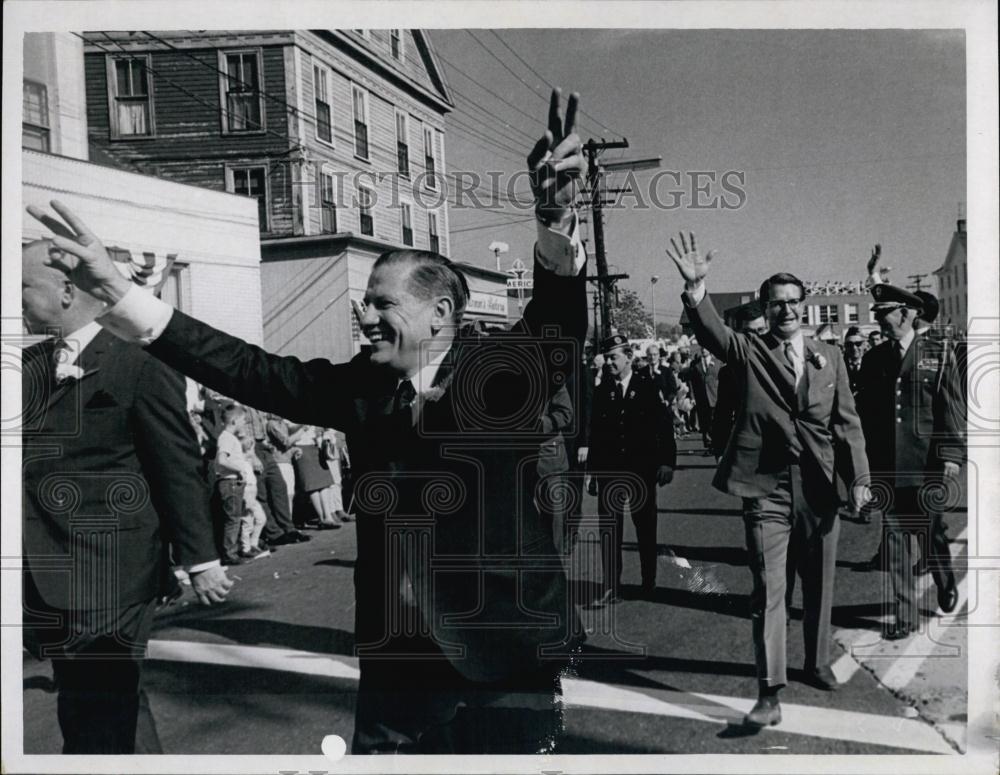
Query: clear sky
[(846, 138)]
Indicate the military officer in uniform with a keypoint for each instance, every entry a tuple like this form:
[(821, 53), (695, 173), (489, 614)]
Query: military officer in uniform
[(632, 450), (913, 414)]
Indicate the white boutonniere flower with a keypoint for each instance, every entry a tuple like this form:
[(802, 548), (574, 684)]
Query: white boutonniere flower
[(631, 394), (817, 360), (436, 393), (433, 395), (67, 371)]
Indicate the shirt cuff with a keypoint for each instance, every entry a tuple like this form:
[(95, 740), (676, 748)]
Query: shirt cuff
[(138, 317), (693, 298), (203, 566), (560, 250)]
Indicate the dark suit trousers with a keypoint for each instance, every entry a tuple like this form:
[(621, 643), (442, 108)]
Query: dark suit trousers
[(905, 517), (424, 706), (775, 531), (611, 499), (97, 661), (273, 494)]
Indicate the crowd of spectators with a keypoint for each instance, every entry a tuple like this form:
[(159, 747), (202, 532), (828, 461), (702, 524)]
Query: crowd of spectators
[(272, 480)]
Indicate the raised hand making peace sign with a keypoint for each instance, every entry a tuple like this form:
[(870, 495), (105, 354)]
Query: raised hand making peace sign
[(556, 162), (81, 255), (690, 264)]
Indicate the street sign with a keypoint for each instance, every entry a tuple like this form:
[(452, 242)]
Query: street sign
[(524, 284)]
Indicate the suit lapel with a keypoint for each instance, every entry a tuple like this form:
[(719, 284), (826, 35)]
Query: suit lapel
[(909, 357), (782, 374), (89, 360)]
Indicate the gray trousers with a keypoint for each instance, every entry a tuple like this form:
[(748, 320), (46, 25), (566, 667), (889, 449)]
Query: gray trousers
[(780, 545)]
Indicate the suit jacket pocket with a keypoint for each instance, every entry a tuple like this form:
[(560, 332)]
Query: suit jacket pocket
[(101, 400)]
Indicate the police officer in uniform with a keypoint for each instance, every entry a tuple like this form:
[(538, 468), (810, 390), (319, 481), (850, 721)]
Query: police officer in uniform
[(912, 410), (632, 451)]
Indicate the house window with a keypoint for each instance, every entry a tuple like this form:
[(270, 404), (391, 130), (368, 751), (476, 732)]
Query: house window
[(850, 313), (407, 218), (130, 96), (242, 98), (430, 161), (871, 313), (432, 231), (828, 313), (35, 129), (360, 123), (403, 144), (324, 116), (252, 182), (396, 44), (366, 199), (328, 202), (812, 315)]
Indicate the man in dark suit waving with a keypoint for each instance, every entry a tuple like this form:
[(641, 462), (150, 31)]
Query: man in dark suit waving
[(796, 428), (111, 476), (463, 620)]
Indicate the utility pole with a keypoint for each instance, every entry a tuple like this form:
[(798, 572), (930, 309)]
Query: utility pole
[(592, 148), (652, 300), (915, 281)]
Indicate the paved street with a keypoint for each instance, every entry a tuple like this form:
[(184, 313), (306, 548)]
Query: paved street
[(272, 670)]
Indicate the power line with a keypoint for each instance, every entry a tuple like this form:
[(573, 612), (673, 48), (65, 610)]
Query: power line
[(492, 225), (487, 89), (171, 82), (544, 80)]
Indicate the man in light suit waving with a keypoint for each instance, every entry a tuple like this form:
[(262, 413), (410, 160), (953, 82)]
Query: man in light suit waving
[(796, 429)]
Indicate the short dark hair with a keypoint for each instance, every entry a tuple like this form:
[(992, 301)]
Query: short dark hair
[(431, 275), (747, 312), (929, 312), (781, 278), (233, 412)]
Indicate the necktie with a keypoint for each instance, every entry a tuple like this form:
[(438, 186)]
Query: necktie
[(897, 357), (60, 357), (402, 406), (792, 361), (619, 392)]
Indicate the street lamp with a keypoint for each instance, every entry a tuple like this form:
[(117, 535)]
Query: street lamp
[(652, 301), (496, 248)]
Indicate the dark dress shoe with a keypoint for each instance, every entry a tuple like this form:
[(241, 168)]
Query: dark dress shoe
[(899, 631), (822, 678), (766, 713), (648, 590), (948, 597)]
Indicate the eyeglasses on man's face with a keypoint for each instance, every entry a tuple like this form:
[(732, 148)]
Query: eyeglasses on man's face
[(784, 303)]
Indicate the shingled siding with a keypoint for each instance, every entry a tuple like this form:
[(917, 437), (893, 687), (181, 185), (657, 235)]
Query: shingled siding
[(189, 145), (379, 171)]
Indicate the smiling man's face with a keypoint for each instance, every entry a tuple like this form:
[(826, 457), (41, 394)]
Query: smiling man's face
[(782, 310), (396, 321)]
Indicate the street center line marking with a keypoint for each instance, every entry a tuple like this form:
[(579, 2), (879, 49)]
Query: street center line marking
[(806, 720)]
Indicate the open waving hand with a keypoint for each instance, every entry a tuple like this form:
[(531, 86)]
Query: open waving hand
[(689, 261), (556, 162)]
